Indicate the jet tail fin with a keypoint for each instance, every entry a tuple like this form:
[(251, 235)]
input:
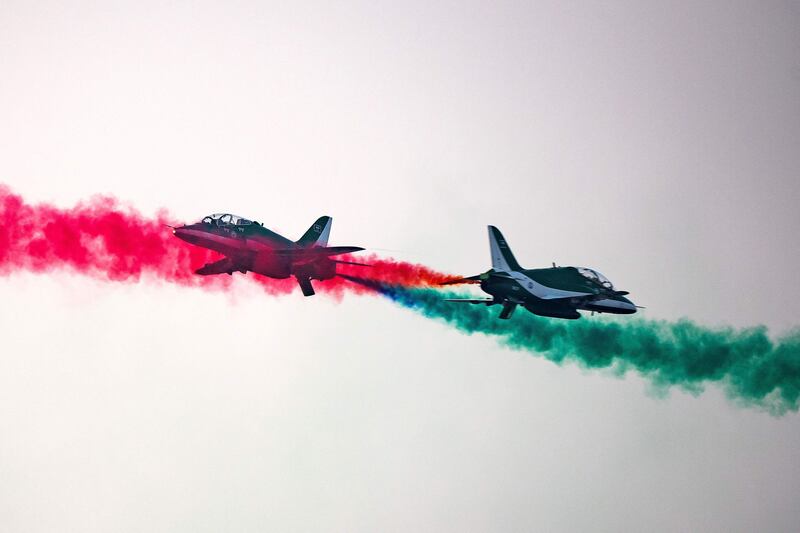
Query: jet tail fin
[(317, 234), (502, 258)]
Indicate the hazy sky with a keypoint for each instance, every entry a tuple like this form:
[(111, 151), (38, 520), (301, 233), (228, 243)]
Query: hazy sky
[(657, 142)]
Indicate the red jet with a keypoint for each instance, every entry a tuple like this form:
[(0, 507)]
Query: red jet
[(249, 246)]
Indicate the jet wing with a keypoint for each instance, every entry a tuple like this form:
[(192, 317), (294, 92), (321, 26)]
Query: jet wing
[(587, 297), (459, 281), (223, 266)]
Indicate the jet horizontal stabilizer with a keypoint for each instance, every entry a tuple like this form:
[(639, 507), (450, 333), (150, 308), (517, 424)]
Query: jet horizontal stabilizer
[(309, 253), (350, 263), (485, 301), (460, 281), (477, 278)]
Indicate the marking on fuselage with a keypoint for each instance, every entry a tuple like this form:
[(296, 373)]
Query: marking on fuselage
[(540, 291)]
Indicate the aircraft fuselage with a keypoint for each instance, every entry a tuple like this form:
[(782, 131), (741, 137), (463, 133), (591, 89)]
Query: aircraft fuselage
[(555, 292), (250, 247)]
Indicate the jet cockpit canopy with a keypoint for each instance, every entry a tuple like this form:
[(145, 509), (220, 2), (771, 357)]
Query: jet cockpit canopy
[(226, 219), (595, 276)]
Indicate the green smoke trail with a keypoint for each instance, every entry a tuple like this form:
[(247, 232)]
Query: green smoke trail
[(752, 369)]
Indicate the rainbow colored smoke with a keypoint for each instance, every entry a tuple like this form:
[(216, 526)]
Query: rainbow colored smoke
[(105, 241)]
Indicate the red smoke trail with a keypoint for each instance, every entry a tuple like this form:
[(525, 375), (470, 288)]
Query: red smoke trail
[(104, 240)]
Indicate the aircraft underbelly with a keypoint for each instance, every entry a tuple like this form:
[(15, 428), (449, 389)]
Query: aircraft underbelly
[(282, 266), (608, 305), (551, 308), (321, 269), (510, 290), (271, 265)]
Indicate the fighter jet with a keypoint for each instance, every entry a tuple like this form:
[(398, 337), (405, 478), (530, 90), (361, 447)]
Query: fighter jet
[(249, 246), (554, 292)]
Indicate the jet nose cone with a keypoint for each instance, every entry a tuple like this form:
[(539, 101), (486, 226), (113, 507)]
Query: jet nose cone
[(180, 232), (190, 233)]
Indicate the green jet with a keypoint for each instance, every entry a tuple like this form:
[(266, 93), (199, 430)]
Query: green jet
[(557, 292)]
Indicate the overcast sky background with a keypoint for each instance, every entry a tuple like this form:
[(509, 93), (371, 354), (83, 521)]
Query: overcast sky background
[(657, 142)]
